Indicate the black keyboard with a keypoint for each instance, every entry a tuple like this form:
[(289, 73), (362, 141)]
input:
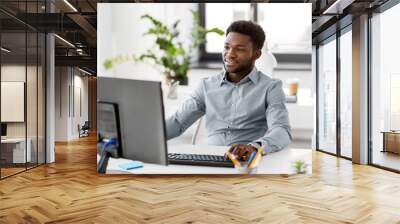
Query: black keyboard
[(199, 160)]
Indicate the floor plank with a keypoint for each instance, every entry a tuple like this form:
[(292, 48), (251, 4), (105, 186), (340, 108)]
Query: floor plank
[(71, 191)]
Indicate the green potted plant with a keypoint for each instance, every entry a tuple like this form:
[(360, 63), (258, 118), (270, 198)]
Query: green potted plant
[(299, 166), (168, 51)]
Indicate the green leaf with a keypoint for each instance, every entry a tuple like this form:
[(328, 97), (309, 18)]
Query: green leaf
[(216, 30), (180, 51), (151, 31), (152, 19), (108, 64), (166, 45)]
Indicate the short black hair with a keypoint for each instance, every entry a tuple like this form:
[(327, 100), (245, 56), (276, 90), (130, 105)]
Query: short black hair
[(253, 30)]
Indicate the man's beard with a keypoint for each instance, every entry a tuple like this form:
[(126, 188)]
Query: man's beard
[(244, 67)]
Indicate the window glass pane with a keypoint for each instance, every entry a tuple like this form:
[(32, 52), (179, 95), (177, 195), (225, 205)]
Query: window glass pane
[(346, 94), (32, 88), (13, 87), (221, 15), (31, 97), (23, 88), (286, 34), (327, 96), (385, 86)]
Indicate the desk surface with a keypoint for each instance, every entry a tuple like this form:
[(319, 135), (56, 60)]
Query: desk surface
[(391, 132), (275, 163)]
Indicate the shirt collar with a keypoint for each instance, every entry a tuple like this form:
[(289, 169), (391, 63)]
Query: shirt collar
[(253, 76)]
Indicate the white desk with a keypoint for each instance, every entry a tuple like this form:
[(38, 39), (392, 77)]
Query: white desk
[(19, 149), (275, 163)]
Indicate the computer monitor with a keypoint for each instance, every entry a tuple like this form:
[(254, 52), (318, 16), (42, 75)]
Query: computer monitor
[(3, 129), (141, 114)]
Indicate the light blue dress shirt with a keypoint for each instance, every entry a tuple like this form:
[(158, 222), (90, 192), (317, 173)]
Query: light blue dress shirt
[(251, 111)]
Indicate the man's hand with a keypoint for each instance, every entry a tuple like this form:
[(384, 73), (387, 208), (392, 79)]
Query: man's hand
[(242, 151)]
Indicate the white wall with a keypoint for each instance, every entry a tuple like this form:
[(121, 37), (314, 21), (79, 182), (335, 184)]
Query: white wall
[(80, 83), (33, 126), (61, 103), (67, 120), (14, 73), (120, 32), (12, 101), (17, 73)]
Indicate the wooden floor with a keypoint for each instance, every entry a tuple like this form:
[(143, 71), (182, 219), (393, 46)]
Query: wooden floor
[(387, 159), (70, 191), (10, 171)]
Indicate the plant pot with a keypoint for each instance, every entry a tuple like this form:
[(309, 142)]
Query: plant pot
[(183, 81)]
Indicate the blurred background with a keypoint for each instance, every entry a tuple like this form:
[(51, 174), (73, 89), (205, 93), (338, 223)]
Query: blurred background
[(286, 53)]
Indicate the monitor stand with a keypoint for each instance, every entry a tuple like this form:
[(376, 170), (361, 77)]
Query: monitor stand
[(106, 153)]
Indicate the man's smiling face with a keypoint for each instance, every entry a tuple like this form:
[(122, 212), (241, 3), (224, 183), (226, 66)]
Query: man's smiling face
[(239, 53)]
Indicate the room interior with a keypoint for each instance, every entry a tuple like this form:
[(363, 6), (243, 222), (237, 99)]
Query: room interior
[(347, 97)]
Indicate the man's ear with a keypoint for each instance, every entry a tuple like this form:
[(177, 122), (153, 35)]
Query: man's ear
[(257, 54)]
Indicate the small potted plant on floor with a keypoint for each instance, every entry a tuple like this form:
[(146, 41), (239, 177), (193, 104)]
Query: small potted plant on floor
[(299, 166), (168, 51)]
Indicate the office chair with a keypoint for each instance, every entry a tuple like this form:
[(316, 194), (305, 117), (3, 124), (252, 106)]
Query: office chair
[(84, 130), (267, 63), (196, 132)]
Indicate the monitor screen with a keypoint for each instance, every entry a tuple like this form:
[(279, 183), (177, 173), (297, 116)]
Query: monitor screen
[(108, 125), (3, 129), (141, 117)]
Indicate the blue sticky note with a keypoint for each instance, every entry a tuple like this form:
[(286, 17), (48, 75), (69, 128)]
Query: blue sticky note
[(131, 165)]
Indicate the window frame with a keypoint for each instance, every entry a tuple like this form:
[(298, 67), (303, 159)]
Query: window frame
[(380, 9), (333, 37), (205, 56)]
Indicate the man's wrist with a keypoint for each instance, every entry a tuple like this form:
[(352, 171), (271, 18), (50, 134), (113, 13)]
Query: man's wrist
[(256, 144)]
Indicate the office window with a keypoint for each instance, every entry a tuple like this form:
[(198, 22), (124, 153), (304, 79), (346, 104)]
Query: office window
[(346, 94), (295, 38), (327, 96), (22, 88), (13, 87), (296, 35), (221, 15), (385, 85)]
